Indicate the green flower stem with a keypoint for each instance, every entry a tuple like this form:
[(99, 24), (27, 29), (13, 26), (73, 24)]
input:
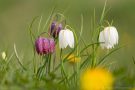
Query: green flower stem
[(49, 63), (95, 49), (76, 69), (41, 69), (63, 70), (76, 39), (53, 63), (74, 78), (77, 72)]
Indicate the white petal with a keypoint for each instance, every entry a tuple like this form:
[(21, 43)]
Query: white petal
[(66, 38), (114, 36), (70, 38), (102, 39), (62, 39), (109, 46), (109, 36)]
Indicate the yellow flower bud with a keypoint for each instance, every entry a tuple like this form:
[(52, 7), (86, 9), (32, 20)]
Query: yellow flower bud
[(72, 58)]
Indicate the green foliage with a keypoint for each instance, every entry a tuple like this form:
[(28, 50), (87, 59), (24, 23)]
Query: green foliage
[(52, 71)]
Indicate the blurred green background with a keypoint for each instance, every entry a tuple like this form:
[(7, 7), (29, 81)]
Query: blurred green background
[(16, 15)]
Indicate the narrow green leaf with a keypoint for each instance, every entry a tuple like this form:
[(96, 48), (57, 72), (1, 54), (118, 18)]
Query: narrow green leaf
[(87, 47), (85, 62), (18, 59), (103, 13), (103, 59), (49, 18), (39, 24), (64, 60)]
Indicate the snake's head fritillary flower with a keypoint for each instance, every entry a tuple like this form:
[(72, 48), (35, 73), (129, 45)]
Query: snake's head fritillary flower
[(96, 79), (45, 45), (108, 37), (66, 38), (55, 29)]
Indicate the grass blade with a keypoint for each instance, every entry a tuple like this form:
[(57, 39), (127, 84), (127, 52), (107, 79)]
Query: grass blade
[(49, 18), (103, 59), (85, 62), (39, 24), (18, 59), (103, 13), (32, 36), (87, 47)]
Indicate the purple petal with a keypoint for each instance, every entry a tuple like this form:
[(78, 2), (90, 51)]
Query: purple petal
[(39, 45)]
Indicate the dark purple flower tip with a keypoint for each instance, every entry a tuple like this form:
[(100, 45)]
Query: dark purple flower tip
[(45, 45), (53, 25), (55, 29)]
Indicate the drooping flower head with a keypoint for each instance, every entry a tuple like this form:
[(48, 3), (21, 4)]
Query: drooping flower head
[(55, 29), (108, 37), (96, 79), (66, 38), (45, 45)]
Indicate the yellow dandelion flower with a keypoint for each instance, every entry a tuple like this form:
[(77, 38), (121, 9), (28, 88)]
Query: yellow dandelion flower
[(72, 58), (96, 79)]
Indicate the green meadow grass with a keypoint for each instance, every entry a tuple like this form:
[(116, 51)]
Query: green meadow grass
[(52, 71)]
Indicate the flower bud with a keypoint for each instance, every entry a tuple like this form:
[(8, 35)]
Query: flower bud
[(53, 26), (55, 29), (45, 45), (72, 58)]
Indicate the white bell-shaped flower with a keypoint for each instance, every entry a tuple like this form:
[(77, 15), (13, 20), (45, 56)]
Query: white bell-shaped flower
[(66, 38), (108, 37)]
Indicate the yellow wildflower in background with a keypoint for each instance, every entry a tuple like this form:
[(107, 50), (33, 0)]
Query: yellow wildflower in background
[(96, 79), (3, 54), (133, 89), (73, 59)]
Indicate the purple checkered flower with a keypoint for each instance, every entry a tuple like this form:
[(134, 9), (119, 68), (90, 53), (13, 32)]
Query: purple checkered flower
[(45, 45), (55, 29)]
